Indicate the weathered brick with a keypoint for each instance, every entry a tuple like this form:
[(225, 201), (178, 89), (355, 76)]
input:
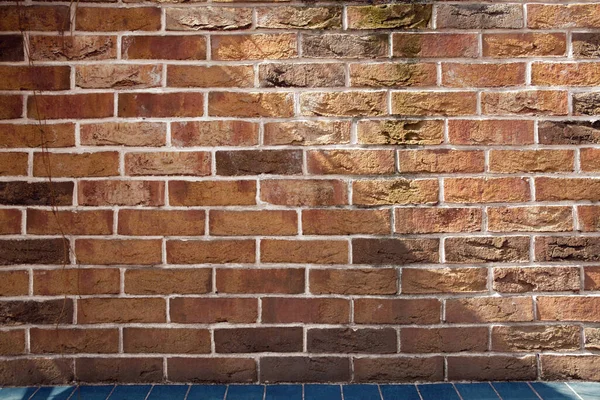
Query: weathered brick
[(168, 281), (397, 311), (14, 283), (306, 133), (254, 47), (76, 281), (536, 338), (89, 105), (548, 248), (486, 190), (434, 103), (490, 132), (48, 312), (343, 104), (393, 75), (257, 162), (198, 310), (161, 222), (35, 77), (341, 45), (207, 18), (72, 341), (583, 367), (92, 222), (591, 277), (558, 189), (536, 279), (440, 161), (136, 134), (483, 75), (124, 193), (345, 222), (253, 223), (543, 16), (301, 75), (437, 220), (34, 18), (304, 251), (258, 340), (443, 280), (299, 310), (390, 16), (487, 249), (166, 340), (36, 193), (592, 338), (399, 369), (12, 342), (353, 281), (480, 16), (212, 370), (296, 192), (443, 340), (513, 161), (11, 48), (352, 340), (118, 251), (589, 159), (210, 77), (508, 45), (103, 19), (351, 162), (72, 47), (568, 308), (121, 310), (489, 309), (565, 74), (589, 218), (164, 47), (434, 45), (529, 102), (586, 104), (230, 104), (34, 251), (527, 219), (304, 369), (196, 163), (586, 45), (397, 191), (36, 135), (401, 132), (395, 251), (36, 371), (483, 368), (77, 165), (123, 370), (287, 280), (299, 18), (212, 193), (214, 133), (159, 105), (118, 76)]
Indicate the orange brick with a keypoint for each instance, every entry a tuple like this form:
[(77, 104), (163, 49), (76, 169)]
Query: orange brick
[(512, 161), (526, 219), (214, 133), (121, 310), (164, 47), (72, 47), (559, 189), (589, 218), (161, 105), (441, 161), (229, 104), (437, 220), (210, 77), (10, 221), (568, 308), (345, 222), (343, 104), (486, 190), (76, 281), (161, 222), (96, 222), (76, 165), (541, 16), (118, 76), (565, 74), (124, 193), (397, 191), (118, 251), (104, 19), (254, 47), (14, 283), (249, 223), (168, 281), (13, 164), (393, 75), (490, 132), (443, 280), (124, 134), (434, 103), (589, 159), (304, 251), (264, 280), (483, 75), (89, 105), (489, 309), (195, 163), (36, 135), (434, 45), (211, 251), (35, 78), (507, 45), (351, 162)]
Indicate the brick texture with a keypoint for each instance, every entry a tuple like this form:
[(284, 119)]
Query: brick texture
[(299, 191)]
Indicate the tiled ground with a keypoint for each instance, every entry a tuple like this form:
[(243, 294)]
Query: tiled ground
[(444, 391)]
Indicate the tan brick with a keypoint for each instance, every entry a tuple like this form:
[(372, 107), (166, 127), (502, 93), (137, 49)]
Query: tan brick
[(254, 47), (103, 19), (440, 161), (486, 190), (397, 311), (343, 104), (230, 104), (443, 340), (300, 17), (480, 16), (490, 132), (399, 132), (589, 159), (434, 103), (536, 279), (210, 77), (307, 133), (443, 280), (136, 134), (584, 367), (393, 75), (530, 219), (530, 102), (487, 249), (351, 162), (591, 278), (301, 75), (196, 163), (396, 16), (508, 45), (397, 191), (72, 47), (214, 133), (437, 220), (207, 18), (484, 368), (344, 45), (568, 308), (536, 338), (118, 76), (489, 309)]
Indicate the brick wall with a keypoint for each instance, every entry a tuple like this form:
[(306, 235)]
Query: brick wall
[(293, 191)]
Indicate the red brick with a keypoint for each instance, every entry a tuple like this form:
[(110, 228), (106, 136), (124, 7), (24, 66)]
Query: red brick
[(253, 223), (304, 251), (345, 222), (124, 193), (246, 281), (526, 219), (10, 221), (168, 281), (589, 218), (34, 18), (490, 132), (211, 251), (257, 162), (483, 75), (161, 105), (89, 105), (589, 159), (397, 311), (212, 370), (118, 76), (76, 281), (434, 45), (11, 106), (484, 249), (198, 310), (118, 251), (161, 222), (352, 340), (559, 189), (72, 47), (568, 308), (542, 16), (299, 310), (166, 340), (104, 19), (36, 135), (35, 78), (353, 281), (486, 190), (508, 45), (11, 48), (163, 47), (121, 310), (212, 193), (210, 77), (77, 165), (124, 134), (592, 278), (304, 192), (72, 341), (196, 163), (35, 251), (214, 133), (37, 371), (51, 312)]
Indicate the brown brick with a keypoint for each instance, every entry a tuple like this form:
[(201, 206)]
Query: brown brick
[(212, 193), (137, 134), (401, 132), (36, 312), (35, 77), (254, 47), (115, 310), (161, 222), (284, 280), (480, 16), (36, 135), (304, 251), (586, 44), (585, 104), (166, 340), (354, 281), (489, 309), (123, 370), (483, 75), (304, 369), (13, 164), (441, 161), (72, 48), (300, 18), (14, 283), (397, 311), (529, 102), (591, 278), (548, 248), (118, 251), (196, 163), (393, 75), (589, 218), (89, 105), (34, 251), (541, 16), (258, 340), (104, 19), (304, 192), (96, 222), (11, 107), (568, 308), (345, 222), (397, 191), (211, 76), (12, 342), (254, 223), (36, 371), (490, 132), (437, 220), (592, 338), (77, 165), (36, 193), (164, 47), (230, 104), (394, 251), (343, 104), (486, 190), (10, 221), (389, 16), (352, 340), (583, 367), (508, 45), (434, 103), (434, 45), (535, 338), (34, 18), (161, 105), (589, 159), (482, 368), (512, 161), (123, 193), (214, 133), (301, 75), (351, 162), (210, 251), (212, 370), (207, 18), (559, 189), (527, 219), (72, 341), (76, 281), (118, 76), (399, 369), (11, 48), (340, 45), (168, 281), (443, 340), (284, 310), (443, 280), (536, 279), (487, 249), (197, 310), (307, 133)]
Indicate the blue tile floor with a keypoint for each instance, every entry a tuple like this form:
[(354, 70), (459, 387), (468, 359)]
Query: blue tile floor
[(439, 391)]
